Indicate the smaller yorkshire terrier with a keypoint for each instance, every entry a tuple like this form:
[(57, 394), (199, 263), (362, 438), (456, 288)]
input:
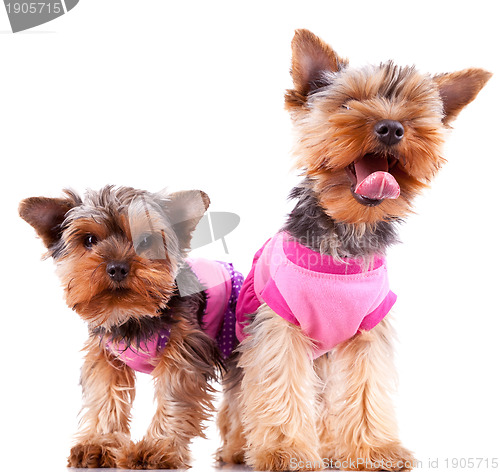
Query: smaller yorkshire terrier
[(312, 384), (121, 257)]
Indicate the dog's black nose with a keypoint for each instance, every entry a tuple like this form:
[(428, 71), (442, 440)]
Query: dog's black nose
[(389, 132), (118, 271)]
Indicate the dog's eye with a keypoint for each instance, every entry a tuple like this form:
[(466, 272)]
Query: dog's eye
[(89, 241), (347, 107), (145, 242)]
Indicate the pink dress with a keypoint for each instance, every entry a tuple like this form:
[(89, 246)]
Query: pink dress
[(330, 300), (223, 285)]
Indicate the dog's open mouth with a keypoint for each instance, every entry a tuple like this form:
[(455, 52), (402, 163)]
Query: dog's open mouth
[(372, 181)]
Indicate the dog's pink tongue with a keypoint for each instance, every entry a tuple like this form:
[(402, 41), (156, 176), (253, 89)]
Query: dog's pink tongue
[(373, 179), (378, 186)]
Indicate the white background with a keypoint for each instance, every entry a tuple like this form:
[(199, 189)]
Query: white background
[(182, 95)]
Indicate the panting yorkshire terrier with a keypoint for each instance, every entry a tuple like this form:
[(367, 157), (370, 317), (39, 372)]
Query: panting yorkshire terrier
[(311, 385), (121, 256)]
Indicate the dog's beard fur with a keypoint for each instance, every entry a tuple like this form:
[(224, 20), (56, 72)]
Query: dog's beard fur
[(102, 305), (137, 330)]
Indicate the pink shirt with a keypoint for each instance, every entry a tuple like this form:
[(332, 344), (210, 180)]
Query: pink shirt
[(330, 300), (222, 285)]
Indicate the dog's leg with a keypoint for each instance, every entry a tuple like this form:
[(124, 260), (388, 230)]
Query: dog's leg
[(324, 367), (229, 417), (184, 400), (108, 393), (365, 430), (278, 396)]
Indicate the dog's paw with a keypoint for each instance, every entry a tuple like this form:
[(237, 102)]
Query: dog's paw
[(230, 455), (98, 451), (154, 454), (285, 459), (391, 457)]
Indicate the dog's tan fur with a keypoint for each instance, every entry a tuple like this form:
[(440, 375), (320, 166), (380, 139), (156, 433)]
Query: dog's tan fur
[(282, 410), (337, 408), (229, 418), (279, 424), (184, 402), (108, 393), (363, 422), (190, 360)]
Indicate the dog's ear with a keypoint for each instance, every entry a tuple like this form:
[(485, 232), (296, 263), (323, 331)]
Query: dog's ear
[(186, 208), (47, 214), (312, 58), (458, 89)]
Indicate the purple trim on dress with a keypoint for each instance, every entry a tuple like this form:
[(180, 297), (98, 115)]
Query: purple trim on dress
[(163, 338), (226, 339)]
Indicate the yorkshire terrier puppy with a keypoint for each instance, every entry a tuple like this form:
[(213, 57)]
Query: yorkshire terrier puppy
[(312, 383), (121, 257)]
